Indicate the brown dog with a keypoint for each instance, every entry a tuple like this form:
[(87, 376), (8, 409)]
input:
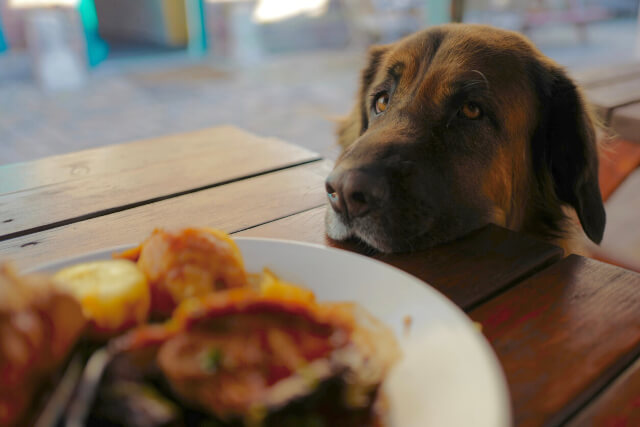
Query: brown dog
[(458, 126)]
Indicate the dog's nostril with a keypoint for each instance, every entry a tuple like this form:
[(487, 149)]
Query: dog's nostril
[(329, 188), (334, 197), (359, 197)]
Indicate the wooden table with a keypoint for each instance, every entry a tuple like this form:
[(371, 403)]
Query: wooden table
[(566, 330), (614, 91)]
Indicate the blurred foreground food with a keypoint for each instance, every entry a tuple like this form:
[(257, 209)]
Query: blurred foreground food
[(187, 263), (243, 356), (232, 348), (39, 325), (114, 294)]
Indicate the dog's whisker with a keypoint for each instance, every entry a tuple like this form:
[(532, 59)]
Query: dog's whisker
[(484, 78)]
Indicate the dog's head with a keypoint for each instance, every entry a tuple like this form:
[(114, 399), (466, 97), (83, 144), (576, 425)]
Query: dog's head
[(458, 126)]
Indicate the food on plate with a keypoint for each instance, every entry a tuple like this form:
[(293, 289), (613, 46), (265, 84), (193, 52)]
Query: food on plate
[(270, 285), (231, 348), (272, 358), (39, 324), (187, 263), (114, 294)]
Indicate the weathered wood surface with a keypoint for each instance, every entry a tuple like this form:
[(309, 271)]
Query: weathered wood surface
[(617, 405), (625, 122), (618, 160), (562, 335), (59, 190), (230, 207), (611, 96)]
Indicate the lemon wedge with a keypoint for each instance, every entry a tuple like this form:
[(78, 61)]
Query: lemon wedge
[(114, 294)]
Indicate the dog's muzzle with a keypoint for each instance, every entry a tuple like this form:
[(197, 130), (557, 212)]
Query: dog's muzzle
[(354, 193)]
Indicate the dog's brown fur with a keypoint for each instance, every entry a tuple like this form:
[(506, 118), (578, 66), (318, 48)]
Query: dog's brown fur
[(529, 163)]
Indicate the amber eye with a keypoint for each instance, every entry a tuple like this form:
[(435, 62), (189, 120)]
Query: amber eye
[(382, 101), (471, 110)]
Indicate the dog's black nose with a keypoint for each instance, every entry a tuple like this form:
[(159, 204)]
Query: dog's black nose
[(353, 193)]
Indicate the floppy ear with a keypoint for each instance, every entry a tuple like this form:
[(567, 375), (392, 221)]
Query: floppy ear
[(354, 124), (566, 148)]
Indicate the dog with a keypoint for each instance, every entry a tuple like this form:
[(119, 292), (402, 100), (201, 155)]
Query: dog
[(458, 126)]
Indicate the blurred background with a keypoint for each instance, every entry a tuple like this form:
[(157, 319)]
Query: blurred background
[(76, 74)]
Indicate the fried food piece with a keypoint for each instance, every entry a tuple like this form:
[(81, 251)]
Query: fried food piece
[(39, 325), (271, 286), (114, 294), (188, 263), (241, 354)]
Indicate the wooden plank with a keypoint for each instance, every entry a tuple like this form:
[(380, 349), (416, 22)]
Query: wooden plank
[(230, 207), (123, 176), (621, 242), (625, 122), (617, 405), (617, 161), (606, 98), (117, 158), (303, 227), (467, 271), (562, 335), (607, 74)]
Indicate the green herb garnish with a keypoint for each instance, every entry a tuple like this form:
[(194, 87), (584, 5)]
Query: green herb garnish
[(212, 359)]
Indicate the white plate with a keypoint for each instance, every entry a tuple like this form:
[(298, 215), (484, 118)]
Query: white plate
[(449, 375)]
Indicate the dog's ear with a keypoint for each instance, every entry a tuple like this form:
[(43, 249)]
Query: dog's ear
[(565, 146), (356, 122)]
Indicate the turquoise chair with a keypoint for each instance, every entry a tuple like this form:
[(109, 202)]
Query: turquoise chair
[(3, 43), (97, 49)]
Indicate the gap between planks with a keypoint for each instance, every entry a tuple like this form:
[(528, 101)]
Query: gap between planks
[(126, 206)]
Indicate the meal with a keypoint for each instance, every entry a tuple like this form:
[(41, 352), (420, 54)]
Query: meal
[(194, 339)]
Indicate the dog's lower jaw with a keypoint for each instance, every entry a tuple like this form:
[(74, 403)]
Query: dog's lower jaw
[(336, 229)]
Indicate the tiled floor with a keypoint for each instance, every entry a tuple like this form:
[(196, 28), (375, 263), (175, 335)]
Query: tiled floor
[(292, 98)]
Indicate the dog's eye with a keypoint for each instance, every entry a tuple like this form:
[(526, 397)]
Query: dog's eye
[(471, 110), (382, 101)]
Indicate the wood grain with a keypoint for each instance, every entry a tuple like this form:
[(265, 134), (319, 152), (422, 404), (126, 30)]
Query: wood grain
[(230, 207), (563, 334), (617, 405), (625, 122), (467, 271), (116, 158), (48, 192), (606, 98)]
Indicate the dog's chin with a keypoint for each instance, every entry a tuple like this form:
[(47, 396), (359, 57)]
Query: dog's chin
[(338, 229), (335, 227), (377, 238)]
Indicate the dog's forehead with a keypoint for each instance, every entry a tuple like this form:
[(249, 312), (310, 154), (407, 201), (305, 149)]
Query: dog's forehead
[(454, 50), (434, 62)]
